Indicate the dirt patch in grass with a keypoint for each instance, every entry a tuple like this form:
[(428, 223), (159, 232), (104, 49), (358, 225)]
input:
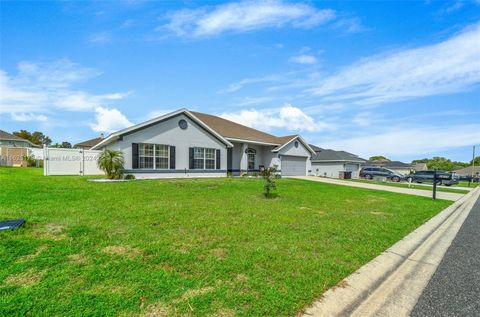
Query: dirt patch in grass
[(380, 213), (241, 278), (24, 279), (191, 293), (223, 312), (122, 250), (77, 258), (159, 309), (32, 256), (51, 231), (219, 253)]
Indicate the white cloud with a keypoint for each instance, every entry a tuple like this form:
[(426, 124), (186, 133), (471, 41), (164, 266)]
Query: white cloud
[(350, 25), (447, 67), (304, 59), (109, 120), (363, 119), (244, 16), (24, 117), (40, 88), (407, 141), (288, 117), (248, 81), (100, 38)]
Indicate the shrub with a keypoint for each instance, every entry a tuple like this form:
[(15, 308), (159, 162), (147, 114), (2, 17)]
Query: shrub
[(269, 175), (129, 176), (111, 162)]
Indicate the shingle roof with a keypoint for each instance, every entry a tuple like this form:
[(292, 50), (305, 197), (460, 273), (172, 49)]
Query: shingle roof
[(89, 143), (12, 137), (332, 155), (8, 136), (230, 129), (389, 164), (468, 170)]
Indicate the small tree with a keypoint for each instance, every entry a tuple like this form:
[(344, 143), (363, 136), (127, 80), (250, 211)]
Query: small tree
[(269, 175), (111, 162)]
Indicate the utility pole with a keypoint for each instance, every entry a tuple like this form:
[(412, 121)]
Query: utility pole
[(473, 162)]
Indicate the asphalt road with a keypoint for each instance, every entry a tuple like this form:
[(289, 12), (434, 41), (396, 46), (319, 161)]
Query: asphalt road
[(454, 289)]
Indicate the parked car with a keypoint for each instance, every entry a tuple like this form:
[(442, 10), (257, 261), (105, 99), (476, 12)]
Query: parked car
[(444, 178), (370, 172)]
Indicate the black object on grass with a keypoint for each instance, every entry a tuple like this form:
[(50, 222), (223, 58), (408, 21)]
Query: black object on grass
[(11, 224)]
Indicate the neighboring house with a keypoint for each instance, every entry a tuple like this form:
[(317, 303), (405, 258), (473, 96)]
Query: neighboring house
[(192, 144), (88, 144), (417, 167), (468, 171), (397, 166), (11, 140), (330, 163), (14, 149)]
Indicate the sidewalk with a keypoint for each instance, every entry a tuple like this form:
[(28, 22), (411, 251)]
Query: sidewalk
[(392, 283), (409, 191)]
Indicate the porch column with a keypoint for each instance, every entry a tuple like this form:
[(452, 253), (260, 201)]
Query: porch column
[(244, 158)]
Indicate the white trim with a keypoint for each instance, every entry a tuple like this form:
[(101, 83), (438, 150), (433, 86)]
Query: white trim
[(305, 144), (114, 136), (250, 141)]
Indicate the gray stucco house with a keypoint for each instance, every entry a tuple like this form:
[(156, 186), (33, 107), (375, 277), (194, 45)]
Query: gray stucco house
[(184, 143), (329, 163)]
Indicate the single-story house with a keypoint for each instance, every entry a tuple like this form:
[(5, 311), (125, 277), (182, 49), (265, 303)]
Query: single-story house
[(184, 143), (11, 140), (397, 166), (88, 144), (468, 171), (417, 167), (330, 163), (14, 149)]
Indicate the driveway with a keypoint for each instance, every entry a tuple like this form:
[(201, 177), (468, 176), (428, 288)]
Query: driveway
[(408, 191)]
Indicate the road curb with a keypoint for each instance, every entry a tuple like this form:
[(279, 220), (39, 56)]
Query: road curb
[(391, 283)]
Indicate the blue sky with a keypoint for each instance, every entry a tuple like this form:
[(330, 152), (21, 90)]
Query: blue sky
[(401, 79)]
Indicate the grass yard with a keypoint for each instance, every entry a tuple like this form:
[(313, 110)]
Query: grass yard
[(413, 186), (201, 247), (465, 184)]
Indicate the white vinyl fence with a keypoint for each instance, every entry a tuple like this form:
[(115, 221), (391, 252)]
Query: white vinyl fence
[(59, 161)]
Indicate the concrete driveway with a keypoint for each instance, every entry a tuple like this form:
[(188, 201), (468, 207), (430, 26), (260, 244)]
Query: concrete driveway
[(408, 191)]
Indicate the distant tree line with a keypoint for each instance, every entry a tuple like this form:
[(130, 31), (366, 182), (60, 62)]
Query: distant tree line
[(39, 138), (437, 162)]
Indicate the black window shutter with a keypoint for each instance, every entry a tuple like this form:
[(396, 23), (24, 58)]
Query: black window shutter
[(218, 159), (190, 165), (134, 155), (172, 157)]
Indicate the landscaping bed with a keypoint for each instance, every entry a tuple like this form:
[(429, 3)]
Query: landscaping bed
[(188, 247)]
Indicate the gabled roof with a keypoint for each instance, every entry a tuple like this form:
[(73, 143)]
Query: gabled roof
[(90, 143), (225, 130), (115, 136), (12, 137), (328, 155), (235, 131)]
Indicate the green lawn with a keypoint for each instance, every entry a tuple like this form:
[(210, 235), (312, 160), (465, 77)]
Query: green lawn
[(197, 247), (465, 184), (413, 185)]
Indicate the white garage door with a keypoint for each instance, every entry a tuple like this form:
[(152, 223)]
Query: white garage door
[(294, 166), (352, 168)]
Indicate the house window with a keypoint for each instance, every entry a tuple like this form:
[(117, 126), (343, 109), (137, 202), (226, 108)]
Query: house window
[(251, 161), (204, 158), (161, 156), (153, 156)]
